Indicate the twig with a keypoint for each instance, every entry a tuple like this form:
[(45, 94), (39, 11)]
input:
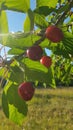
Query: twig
[(65, 12), (39, 41), (61, 17)]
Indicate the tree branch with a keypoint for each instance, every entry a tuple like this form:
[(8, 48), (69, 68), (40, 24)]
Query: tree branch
[(39, 41), (65, 12)]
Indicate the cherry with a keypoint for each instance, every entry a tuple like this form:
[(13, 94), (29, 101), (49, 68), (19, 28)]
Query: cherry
[(26, 91), (46, 61), (54, 33), (35, 52)]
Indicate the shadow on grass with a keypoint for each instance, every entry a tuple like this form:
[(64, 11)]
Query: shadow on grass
[(50, 96)]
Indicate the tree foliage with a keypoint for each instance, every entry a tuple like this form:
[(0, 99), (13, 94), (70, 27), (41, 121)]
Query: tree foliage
[(19, 68)]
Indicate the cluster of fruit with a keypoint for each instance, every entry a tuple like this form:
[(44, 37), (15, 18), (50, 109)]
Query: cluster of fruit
[(54, 34)]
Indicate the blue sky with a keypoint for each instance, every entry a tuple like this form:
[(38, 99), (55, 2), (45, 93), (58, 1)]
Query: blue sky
[(16, 19)]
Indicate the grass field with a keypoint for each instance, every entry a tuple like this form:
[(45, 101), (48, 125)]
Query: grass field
[(50, 109)]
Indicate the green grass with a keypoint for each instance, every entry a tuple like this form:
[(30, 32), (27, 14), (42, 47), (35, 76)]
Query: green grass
[(50, 109)]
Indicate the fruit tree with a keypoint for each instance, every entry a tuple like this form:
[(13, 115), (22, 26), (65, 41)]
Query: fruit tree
[(48, 26)]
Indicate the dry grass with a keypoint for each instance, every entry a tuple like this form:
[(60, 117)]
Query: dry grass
[(50, 109)]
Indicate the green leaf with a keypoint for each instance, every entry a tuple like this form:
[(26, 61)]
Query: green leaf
[(3, 27), (40, 21), (44, 10), (16, 74), (34, 65), (65, 77), (15, 5), (63, 8), (1, 71), (62, 1), (29, 21), (68, 43), (61, 50), (34, 75), (21, 43), (13, 106), (49, 3), (15, 51), (34, 71)]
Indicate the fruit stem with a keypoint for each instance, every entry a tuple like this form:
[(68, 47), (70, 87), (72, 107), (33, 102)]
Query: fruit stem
[(40, 40)]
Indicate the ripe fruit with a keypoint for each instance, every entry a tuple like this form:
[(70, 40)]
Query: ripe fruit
[(54, 33), (46, 61), (34, 52), (26, 91)]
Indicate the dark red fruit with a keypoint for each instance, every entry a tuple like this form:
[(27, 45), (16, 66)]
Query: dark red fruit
[(34, 52), (46, 61), (54, 33), (26, 91)]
